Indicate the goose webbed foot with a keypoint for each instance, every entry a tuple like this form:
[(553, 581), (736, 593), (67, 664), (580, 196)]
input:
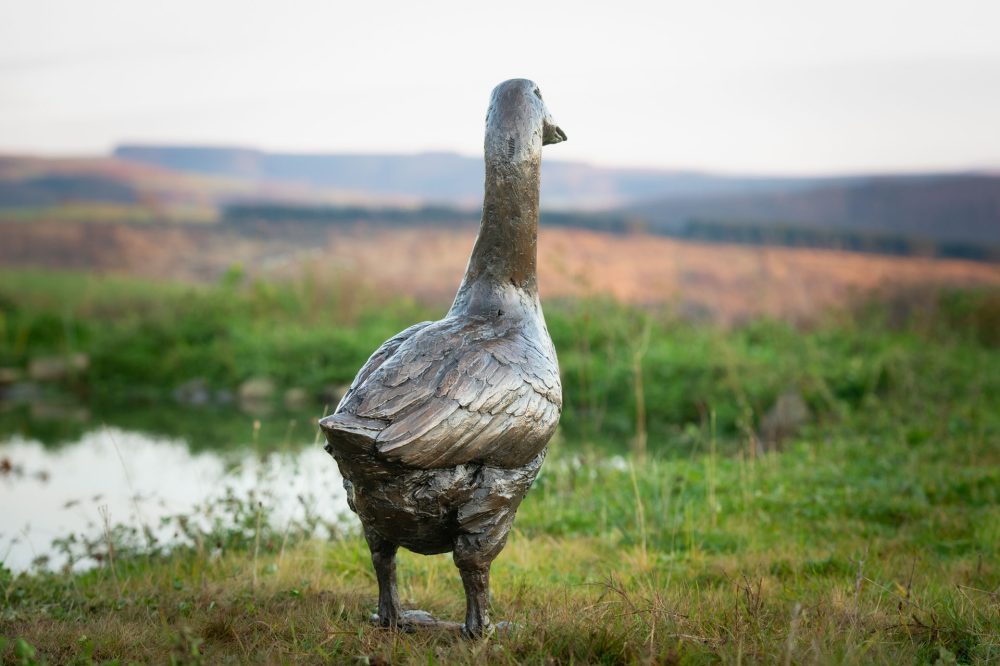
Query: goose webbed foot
[(411, 620)]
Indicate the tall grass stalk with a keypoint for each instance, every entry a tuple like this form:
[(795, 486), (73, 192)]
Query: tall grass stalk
[(640, 512), (641, 346), (793, 627), (710, 471), (133, 495), (256, 541), (106, 524)]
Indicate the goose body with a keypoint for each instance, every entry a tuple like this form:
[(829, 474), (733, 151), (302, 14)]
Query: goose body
[(445, 427)]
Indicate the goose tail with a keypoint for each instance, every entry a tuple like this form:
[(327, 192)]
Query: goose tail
[(349, 434)]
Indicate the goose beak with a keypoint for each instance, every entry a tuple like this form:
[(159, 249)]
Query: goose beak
[(552, 133)]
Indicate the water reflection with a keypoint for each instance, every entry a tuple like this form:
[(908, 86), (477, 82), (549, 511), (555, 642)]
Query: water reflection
[(50, 493), (58, 421)]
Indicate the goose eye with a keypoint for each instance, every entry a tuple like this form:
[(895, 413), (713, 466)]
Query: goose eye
[(538, 93)]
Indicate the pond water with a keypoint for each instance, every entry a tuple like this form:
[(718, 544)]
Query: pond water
[(63, 466), (51, 490)]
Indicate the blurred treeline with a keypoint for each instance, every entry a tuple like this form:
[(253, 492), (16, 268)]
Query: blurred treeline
[(265, 217), (854, 240)]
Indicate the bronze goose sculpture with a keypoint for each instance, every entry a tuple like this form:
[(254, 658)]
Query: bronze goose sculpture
[(445, 427)]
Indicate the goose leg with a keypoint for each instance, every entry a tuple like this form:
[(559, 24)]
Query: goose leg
[(384, 561), (476, 581), (473, 556)]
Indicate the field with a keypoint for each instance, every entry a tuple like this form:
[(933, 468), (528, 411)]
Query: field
[(686, 521), (874, 548), (725, 283), (768, 260)]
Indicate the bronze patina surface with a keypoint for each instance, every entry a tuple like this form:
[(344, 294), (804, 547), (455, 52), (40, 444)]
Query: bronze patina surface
[(445, 427)]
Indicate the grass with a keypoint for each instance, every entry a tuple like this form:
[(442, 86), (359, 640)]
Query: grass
[(871, 536), (145, 339), (851, 550)]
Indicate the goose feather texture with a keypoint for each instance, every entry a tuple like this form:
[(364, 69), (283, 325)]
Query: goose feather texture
[(468, 389)]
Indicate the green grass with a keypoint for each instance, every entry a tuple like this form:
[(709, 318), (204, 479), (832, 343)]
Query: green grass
[(145, 339), (849, 549), (871, 536)]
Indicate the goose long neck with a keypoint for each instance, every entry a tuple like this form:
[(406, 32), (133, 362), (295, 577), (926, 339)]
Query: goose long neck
[(505, 250), (504, 256)]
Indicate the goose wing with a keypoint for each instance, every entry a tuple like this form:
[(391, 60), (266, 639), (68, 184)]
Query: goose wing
[(462, 392), (381, 355)]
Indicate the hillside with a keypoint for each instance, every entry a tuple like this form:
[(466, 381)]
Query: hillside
[(725, 283), (962, 207), (445, 177), (934, 215), (958, 207), (111, 189)]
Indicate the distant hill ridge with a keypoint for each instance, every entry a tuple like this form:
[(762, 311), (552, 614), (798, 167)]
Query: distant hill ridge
[(451, 178), (961, 207), (942, 214), (945, 207)]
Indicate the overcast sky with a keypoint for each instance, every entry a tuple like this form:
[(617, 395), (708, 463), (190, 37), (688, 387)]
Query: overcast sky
[(792, 86)]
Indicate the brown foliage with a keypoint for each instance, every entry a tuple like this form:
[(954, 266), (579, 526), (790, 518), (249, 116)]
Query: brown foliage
[(728, 283)]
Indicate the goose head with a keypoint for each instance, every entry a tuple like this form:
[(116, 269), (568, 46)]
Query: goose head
[(518, 123)]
